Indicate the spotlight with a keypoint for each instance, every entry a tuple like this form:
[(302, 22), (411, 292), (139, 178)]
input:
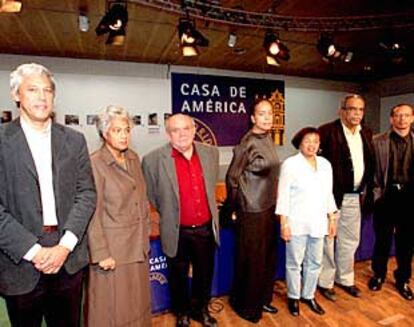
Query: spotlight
[(232, 40), (327, 47), (114, 22), (10, 6), (394, 50), (275, 49), (331, 52), (83, 22), (348, 56), (190, 38)]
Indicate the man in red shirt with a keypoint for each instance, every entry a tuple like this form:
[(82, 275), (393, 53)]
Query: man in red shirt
[(181, 177)]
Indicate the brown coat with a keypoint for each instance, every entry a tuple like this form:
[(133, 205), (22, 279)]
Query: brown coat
[(119, 229), (120, 225)]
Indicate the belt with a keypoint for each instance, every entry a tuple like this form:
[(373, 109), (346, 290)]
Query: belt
[(195, 227), (49, 229)]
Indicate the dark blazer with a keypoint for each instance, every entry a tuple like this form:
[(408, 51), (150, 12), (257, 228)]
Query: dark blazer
[(334, 147), (162, 188), (382, 156), (21, 219)]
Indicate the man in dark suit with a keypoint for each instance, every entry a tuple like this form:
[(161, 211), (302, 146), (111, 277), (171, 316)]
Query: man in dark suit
[(47, 197), (393, 193), (348, 146), (181, 177)]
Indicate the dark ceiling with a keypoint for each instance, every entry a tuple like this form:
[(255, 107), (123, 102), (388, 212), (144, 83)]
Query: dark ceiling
[(50, 28)]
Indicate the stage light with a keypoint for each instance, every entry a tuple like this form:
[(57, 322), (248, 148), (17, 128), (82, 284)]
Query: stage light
[(327, 47), (331, 52), (348, 56), (10, 6), (190, 38), (275, 49), (83, 22), (394, 50), (232, 40), (114, 22)]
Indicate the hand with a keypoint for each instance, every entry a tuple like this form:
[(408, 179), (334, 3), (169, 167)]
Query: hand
[(40, 256), (49, 260), (107, 264), (332, 229), (286, 234)]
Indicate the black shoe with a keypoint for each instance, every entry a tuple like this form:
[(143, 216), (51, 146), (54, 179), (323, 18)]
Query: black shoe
[(269, 308), (405, 291), (315, 307), (204, 318), (293, 306), (183, 320), (375, 283), (329, 293), (351, 290)]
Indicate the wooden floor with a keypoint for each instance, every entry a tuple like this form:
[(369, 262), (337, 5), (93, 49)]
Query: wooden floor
[(383, 308)]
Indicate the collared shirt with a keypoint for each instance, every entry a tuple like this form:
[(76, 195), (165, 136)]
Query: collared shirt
[(194, 209), (401, 159), (40, 145), (305, 195), (356, 147)]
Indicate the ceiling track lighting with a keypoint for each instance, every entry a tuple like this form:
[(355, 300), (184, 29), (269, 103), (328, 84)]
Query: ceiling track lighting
[(114, 23), (275, 49), (10, 6), (190, 38)]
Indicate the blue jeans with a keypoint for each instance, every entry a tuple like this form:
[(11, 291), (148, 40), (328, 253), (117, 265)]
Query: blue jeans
[(307, 251)]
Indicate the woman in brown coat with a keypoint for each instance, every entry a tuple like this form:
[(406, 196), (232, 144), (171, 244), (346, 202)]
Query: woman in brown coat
[(118, 292)]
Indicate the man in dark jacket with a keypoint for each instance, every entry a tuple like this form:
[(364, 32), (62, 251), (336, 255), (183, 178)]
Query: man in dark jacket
[(47, 197), (348, 146), (393, 193)]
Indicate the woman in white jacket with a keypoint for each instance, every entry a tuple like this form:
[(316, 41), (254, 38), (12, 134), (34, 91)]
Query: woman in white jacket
[(306, 207)]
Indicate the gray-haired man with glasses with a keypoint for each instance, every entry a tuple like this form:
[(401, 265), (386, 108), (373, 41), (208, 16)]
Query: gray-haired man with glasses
[(347, 144)]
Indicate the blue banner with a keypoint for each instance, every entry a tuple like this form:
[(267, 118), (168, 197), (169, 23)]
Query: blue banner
[(221, 105)]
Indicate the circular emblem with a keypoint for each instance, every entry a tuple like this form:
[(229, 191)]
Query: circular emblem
[(204, 134), (158, 277)]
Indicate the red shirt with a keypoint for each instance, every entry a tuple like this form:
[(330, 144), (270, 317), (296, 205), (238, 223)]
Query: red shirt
[(194, 209)]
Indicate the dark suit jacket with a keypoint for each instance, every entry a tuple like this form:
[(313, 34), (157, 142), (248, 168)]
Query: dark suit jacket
[(162, 187), (20, 204), (334, 147), (382, 156)]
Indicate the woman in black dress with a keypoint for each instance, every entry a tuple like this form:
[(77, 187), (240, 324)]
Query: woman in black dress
[(251, 185)]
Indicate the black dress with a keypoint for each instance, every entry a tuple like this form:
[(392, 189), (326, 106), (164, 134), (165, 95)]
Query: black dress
[(251, 185)]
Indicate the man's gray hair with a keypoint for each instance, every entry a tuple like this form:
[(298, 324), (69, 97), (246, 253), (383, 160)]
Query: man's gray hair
[(17, 75), (350, 96), (107, 115)]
